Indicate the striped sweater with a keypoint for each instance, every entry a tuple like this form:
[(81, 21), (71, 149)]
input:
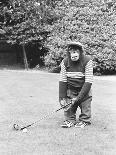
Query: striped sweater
[(88, 73), (74, 76)]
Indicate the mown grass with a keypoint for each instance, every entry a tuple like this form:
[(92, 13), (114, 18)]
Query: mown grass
[(28, 96)]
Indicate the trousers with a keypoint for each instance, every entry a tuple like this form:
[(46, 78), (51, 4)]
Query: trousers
[(85, 107)]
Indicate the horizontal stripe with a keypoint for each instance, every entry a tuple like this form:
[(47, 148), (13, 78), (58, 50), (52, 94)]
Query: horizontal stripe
[(75, 74)]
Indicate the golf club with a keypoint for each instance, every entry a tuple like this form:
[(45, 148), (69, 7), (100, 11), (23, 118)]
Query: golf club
[(17, 127)]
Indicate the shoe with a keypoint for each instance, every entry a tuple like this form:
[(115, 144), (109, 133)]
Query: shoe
[(81, 124), (67, 124)]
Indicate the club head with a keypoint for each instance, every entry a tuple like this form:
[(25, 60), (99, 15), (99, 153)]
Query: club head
[(16, 127)]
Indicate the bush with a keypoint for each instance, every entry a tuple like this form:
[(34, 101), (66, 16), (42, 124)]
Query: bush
[(93, 24)]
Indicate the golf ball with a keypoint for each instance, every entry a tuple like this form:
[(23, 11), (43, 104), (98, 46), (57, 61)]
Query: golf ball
[(24, 130)]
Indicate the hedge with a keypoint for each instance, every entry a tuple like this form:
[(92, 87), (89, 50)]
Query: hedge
[(93, 23)]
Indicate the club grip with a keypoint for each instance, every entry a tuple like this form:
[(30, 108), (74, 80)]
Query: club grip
[(63, 107)]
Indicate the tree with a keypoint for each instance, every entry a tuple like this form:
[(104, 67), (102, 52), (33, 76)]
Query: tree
[(24, 21)]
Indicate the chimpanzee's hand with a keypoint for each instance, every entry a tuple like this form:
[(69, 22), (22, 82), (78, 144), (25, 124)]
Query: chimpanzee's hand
[(65, 104), (75, 103)]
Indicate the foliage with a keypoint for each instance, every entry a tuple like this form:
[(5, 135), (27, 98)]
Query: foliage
[(53, 23), (24, 20), (24, 23), (93, 23)]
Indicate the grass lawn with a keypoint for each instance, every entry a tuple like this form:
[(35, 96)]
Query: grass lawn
[(27, 96)]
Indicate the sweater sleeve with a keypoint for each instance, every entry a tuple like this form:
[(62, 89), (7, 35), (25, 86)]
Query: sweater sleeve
[(62, 82), (89, 72), (88, 82)]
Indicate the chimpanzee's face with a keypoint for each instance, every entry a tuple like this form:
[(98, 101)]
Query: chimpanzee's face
[(75, 54)]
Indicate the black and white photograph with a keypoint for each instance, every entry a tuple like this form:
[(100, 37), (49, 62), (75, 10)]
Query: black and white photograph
[(57, 77)]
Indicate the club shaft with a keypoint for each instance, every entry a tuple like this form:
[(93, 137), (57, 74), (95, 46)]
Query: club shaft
[(45, 116)]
